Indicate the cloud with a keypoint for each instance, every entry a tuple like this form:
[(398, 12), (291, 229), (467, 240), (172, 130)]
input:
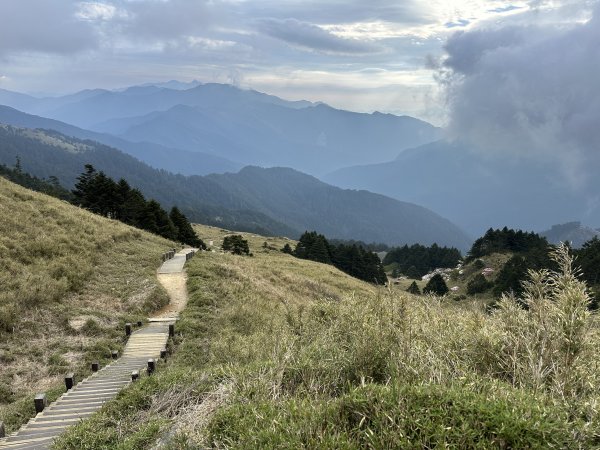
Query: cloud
[(312, 37), (528, 91), (43, 26), (157, 19)]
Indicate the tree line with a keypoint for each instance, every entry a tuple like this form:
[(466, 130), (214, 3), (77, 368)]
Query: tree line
[(351, 259), (418, 260), (530, 251), (50, 186), (98, 193)]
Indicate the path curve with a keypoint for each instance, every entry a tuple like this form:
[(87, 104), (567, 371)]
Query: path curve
[(89, 395)]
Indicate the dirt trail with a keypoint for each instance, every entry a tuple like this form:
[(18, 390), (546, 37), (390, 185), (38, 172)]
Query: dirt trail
[(176, 287)]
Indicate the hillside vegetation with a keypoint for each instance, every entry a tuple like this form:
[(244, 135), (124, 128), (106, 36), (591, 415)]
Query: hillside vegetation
[(279, 352), (70, 279), (275, 201)]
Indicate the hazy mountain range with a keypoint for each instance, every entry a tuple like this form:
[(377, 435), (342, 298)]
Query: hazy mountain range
[(199, 129), (274, 201), (477, 191), (243, 126), (573, 232)]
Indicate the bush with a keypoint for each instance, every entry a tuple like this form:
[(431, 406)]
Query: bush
[(478, 284), (436, 286), (236, 244), (414, 289)]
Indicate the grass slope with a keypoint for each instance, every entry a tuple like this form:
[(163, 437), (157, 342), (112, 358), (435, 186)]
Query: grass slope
[(69, 279), (276, 352)]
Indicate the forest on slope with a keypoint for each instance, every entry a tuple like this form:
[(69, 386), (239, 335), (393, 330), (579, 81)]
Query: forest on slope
[(274, 201)]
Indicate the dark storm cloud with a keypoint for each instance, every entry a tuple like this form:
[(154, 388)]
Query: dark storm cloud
[(43, 26), (529, 90), (312, 37)]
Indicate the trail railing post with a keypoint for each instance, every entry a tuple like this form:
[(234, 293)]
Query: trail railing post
[(151, 366), (69, 381), (127, 329), (114, 354), (140, 323), (2, 430), (163, 353), (40, 402), (135, 375), (171, 330), (95, 366)]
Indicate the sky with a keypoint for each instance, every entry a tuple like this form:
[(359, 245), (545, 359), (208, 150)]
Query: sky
[(434, 59)]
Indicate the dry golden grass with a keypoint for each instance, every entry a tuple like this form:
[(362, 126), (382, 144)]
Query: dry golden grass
[(278, 352), (69, 280)]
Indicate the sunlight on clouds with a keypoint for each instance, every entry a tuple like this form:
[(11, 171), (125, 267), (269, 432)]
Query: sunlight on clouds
[(210, 44), (442, 16), (93, 11)]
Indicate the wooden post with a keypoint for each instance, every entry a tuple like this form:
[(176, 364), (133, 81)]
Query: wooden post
[(163, 353), (127, 329), (171, 329), (40, 402), (2, 430), (114, 354), (69, 380), (135, 375), (95, 366), (151, 366), (140, 323)]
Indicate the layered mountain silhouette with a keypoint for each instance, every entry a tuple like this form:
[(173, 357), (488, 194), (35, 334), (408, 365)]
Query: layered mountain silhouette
[(242, 126), (477, 190), (273, 201), (156, 155)]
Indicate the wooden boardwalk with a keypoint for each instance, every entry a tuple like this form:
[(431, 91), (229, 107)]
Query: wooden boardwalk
[(88, 396)]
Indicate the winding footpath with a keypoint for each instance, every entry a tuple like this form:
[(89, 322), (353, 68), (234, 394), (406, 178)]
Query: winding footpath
[(88, 396)]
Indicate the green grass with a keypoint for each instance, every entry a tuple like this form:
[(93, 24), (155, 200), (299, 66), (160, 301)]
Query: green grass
[(276, 352), (70, 280)]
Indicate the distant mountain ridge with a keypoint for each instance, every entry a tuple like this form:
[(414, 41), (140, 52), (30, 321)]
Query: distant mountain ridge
[(244, 126), (475, 190), (277, 201), (158, 156), (572, 232)]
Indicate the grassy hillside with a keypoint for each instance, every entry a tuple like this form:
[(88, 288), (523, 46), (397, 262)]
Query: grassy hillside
[(70, 279), (275, 201), (277, 352)]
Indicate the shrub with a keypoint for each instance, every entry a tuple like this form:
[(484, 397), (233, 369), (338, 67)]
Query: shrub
[(436, 286), (236, 244), (414, 289), (478, 284)]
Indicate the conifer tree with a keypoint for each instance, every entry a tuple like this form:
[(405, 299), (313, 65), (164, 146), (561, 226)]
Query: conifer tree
[(436, 286), (185, 232), (414, 289), (236, 244)]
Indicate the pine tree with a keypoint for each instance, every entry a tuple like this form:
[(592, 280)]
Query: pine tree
[(287, 249), (478, 284), (82, 186), (511, 276), (414, 289), (436, 286), (185, 232), (236, 244)]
